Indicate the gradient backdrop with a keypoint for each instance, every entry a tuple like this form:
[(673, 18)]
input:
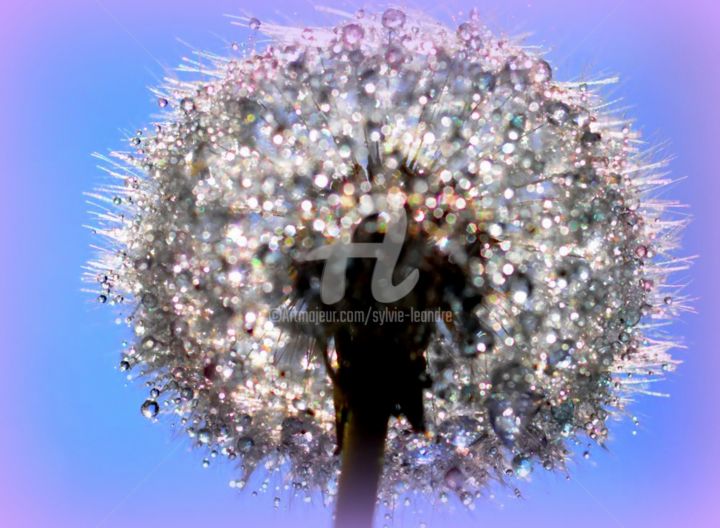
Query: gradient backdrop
[(74, 450)]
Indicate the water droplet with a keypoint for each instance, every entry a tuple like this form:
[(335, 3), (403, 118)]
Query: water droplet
[(515, 75), (464, 31), (143, 264), (393, 19), (522, 466), (124, 366), (541, 72), (481, 342), (424, 456), (254, 24), (294, 432), (590, 138), (149, 300), (519, 287), (581, 118), (564, 412), (529, 322), (461, 431), (454, 478), (150, 409), (154, 393), (511, 402), (102, 299), (630, 317), (244, 444), (558, 113), (162, 102), (394, 55), (187, 104), (245, 421), (204, 436), (352, 34), (561, 356)]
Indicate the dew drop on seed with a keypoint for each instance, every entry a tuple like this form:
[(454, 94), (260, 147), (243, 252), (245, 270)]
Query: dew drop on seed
[(352, 34), (150, 409), (393, 19), (204, 436), (187, 104), (522, 466)]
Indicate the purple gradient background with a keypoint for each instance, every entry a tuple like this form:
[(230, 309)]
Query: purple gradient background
[(74, 450)]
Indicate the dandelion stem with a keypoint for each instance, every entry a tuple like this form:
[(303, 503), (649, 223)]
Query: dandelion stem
[(361, 467)]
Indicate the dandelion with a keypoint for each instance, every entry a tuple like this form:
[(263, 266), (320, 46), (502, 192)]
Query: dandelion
[(277, 243)]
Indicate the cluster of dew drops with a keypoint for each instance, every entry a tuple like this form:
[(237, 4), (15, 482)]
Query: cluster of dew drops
[(538, 195)]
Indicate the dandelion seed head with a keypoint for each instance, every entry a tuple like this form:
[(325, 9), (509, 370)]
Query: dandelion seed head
[(538, 201)]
